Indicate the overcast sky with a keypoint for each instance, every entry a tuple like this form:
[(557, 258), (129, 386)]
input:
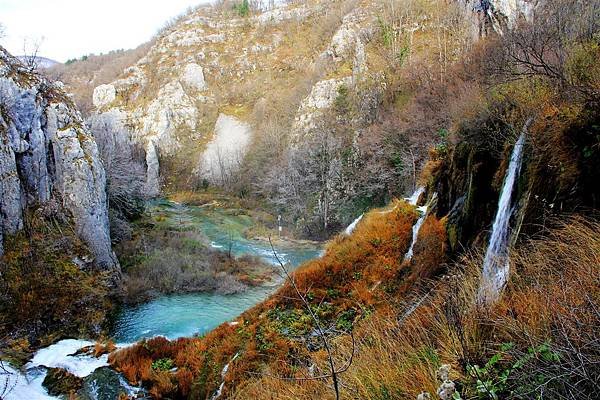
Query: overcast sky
[(72, 28)]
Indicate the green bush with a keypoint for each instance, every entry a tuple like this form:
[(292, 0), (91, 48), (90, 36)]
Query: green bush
[(497, 379), (163, 364), (243, 8)]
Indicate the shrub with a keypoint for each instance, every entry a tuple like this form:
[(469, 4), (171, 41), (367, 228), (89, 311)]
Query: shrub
[(163, 364), (46, 286), (243, 8)]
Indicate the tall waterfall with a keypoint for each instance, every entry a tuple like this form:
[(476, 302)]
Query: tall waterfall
[(496, 263)]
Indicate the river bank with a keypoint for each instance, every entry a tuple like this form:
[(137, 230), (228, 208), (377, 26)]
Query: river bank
[(210, 248), (186, 270)]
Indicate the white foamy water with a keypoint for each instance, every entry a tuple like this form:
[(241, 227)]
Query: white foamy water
[(23, 386), (496, 262), (352, 226), (414, 198), (415, 231), (61, 355), (27, 385), (223, 373)]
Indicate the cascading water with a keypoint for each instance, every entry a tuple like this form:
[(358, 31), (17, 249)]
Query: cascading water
[(219, 391), (415, 231), (27, 384), (352, 226), (413, 200), (496, 262)]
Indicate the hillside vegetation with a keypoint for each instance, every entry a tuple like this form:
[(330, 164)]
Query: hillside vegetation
[(323, 85), (395, 328), (350, 105)]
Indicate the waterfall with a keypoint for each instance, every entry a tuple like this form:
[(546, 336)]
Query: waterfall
[(414, 198), (415, 231), (496, 262), (219, 391), (352, 226)]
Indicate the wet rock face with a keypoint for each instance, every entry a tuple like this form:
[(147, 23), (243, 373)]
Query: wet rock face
[(467, 194), (61, 382), (46, 154), (104, 383), (498, 15)]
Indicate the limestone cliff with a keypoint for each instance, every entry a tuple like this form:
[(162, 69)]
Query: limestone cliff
[(47, 157), (498, 15), (214, 66), (213, 62)]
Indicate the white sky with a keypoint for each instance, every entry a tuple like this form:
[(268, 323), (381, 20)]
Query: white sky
[(73, 28)]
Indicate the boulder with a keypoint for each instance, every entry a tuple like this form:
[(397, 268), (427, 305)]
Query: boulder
[(104, 95), (60, 382)]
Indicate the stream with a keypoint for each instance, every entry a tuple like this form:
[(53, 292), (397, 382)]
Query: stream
[(195, 314), (171, 316)]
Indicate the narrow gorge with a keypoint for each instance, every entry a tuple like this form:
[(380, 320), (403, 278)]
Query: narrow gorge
[(314, 199)]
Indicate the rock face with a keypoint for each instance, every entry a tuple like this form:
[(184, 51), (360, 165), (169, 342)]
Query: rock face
[(152, 170), (46, 154), (193, 76), (497, 15), (212, 64), (60, 382), (321, 97), (226, 150), (104, 95)]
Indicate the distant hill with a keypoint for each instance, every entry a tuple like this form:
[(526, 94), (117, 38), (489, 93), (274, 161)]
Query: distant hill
[(42, 62)]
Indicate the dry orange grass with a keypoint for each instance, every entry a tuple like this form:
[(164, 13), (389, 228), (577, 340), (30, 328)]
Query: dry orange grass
[(363, 270), (553, 297), (410, 331)]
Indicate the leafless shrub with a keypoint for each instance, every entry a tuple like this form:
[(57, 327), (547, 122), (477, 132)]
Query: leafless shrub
[(31, 49), (543, 47), (180, 262), (120, 229), (125, 172), (7, 381), (333, 371)]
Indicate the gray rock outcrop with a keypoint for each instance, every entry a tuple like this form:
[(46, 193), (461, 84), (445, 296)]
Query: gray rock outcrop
[(104, 95), (225, 152), (47, 154), (498, 15)]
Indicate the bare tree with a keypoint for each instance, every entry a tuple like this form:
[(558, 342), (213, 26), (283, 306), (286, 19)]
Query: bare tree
[(334, 371), (543, 47), (31, 51), (125, 173)]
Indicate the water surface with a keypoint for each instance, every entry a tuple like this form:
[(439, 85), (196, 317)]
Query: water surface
[(177, 316)]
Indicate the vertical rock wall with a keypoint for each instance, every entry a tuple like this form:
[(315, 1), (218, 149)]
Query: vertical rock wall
[(46, 154)]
